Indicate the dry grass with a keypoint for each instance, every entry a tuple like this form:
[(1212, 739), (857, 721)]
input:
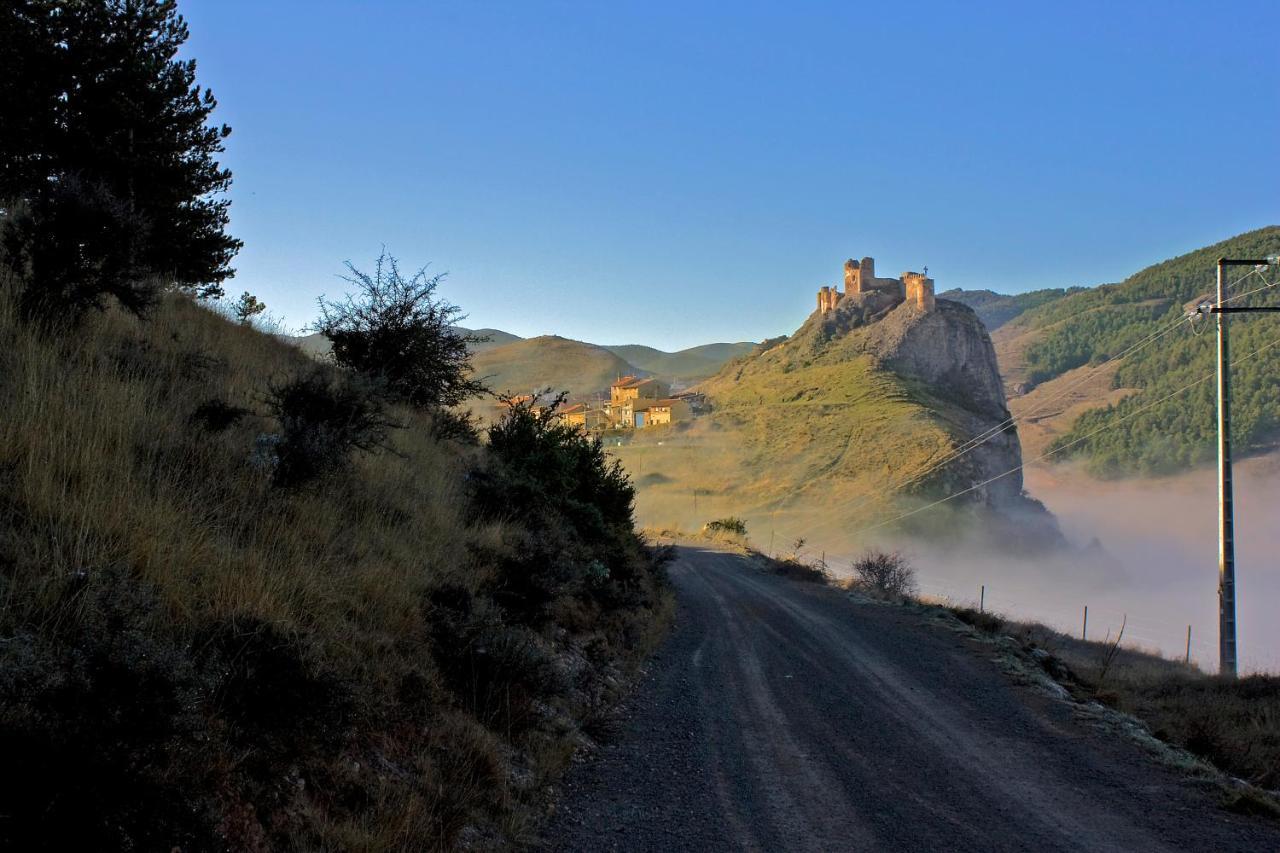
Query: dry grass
[(1232, 724), (108, 477)]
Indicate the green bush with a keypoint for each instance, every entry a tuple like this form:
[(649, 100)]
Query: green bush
[(577, 508)]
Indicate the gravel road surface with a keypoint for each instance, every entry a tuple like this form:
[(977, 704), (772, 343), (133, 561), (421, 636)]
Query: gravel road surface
[(785, 716)]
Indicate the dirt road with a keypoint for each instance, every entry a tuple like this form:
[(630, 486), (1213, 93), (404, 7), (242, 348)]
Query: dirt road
[(785, 716)]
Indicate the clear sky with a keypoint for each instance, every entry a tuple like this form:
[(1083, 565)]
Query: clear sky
[(687, 172)]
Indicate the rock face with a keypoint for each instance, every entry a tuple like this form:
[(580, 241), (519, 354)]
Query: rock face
[(945, 356), (949, 350)]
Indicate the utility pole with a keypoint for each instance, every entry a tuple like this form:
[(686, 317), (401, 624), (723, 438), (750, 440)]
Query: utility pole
[(1228, 657)]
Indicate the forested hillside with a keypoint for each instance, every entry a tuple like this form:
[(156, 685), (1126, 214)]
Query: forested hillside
[(1144, 434)]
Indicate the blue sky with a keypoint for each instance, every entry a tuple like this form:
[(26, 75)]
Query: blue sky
[(680, 173)]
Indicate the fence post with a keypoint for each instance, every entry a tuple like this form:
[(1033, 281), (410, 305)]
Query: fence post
[(982, 599), (1084, 629), (1188, 657)]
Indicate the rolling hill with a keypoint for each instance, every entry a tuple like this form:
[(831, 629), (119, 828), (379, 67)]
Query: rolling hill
[(526, 365), (550, 361), (684, 365), (317, 344)]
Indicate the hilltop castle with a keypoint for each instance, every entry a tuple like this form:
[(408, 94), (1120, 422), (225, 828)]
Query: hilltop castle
[(913, 287)]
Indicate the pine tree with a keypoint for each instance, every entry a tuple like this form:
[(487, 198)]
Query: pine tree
[(104, 118), (246, 308)]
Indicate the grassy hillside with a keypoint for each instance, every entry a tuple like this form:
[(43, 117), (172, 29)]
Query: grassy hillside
[(1089, 327), (805, 438), (996, 309), (193, 656), (690, 364), (551, 361)]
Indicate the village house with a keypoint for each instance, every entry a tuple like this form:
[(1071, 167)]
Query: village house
[(635, 388), (630, 393), (584, 417), (647, 413)]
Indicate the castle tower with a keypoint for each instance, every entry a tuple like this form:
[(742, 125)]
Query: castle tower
[(852, 277), (867, 273), (827, 299), (919, 290)]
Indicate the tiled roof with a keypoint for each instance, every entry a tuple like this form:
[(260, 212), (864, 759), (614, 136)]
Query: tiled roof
[(631, 382)]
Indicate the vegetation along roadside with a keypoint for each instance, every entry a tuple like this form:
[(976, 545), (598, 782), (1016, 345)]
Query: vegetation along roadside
[(249, 600)]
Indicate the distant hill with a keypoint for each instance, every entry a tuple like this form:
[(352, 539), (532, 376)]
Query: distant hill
[(1066, 344), (686, 364), (996, 309), (530, 364), (563, 365), (496, 338), (317, 344)]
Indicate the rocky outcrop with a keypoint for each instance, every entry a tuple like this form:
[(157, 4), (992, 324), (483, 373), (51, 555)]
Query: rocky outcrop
[(946, 356)]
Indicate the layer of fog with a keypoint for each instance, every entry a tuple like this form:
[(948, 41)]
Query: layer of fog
[(1163, 576)]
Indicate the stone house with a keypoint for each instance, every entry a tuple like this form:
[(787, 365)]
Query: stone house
[(628, 393), (647, 413), (583, 416)]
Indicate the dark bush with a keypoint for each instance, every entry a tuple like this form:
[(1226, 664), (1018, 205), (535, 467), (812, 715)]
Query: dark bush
[(574, 506), (396, 331), (983, 620), (796, 570), (75, 249), (455, 425), (217, 415), (499, 672), (101, 730), (323, 420), (888, 574)]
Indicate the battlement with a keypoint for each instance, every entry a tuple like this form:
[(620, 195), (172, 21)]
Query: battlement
[(860, 277)]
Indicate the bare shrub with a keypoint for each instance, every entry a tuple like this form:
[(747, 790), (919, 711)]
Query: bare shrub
[(885, 573), (396, 329)]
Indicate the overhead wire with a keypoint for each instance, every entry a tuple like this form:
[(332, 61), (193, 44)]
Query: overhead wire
[(1062, 447), (985, 437)]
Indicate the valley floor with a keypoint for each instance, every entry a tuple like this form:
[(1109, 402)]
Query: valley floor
[(782, 715)]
